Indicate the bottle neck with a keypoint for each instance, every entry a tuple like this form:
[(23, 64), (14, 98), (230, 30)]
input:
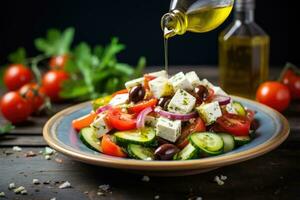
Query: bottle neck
[(245, 16), (174, 23)]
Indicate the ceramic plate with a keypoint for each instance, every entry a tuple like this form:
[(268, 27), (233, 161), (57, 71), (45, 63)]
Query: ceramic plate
[(59, 134)]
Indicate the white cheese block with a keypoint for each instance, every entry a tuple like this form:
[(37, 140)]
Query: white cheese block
[(168, 129), (119, 99), (207, 83), (230, 109), (161, 73), (100, 125), (209, 112), (219, 91), (179, 81), (182, 102), (134, 82), (160, 87), (193, 78)]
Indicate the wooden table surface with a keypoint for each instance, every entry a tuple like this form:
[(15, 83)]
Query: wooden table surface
[(275, 175)]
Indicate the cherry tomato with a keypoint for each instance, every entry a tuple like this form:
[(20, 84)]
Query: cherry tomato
[(14, 107), (234, 124), (147, 78), (110, 148), (197, 126), (83, 121), (137, 108), (292, 81), (120, 121), (58, 62), (52, 83), (274, 94), (16, 76), (34, 94), (124, 91)]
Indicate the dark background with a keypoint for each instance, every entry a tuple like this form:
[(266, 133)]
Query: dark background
[(137, 24)]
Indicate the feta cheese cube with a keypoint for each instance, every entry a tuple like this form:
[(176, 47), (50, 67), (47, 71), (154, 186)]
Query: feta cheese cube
[(179, 81), (119, 99), (182, 102), (168, 129), (209, 112), (161, 73), (230, 109), (193, 78), (100, 125), (134, 82), (150, 121), (207, 83), (160, 87), (219, 91)]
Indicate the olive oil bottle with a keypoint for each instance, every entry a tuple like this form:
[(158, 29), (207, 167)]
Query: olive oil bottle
[(193, 15), (243, 53)]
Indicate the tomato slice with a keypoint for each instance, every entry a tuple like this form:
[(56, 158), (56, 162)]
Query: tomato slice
[(234, 124), (147, 78), (110, 148), (120, 121), (197, 126), (137, 108), (211, 94), (124, 91), (84, 121)]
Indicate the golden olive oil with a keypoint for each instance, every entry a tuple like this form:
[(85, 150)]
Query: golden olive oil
[(243, 64), (197, 18)]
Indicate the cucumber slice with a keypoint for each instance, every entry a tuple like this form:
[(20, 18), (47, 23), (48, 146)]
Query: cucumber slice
[(228, 141), (187, 153), (241, 140), (89, 138), (140, 152), (145, 137), (209, 143), (239, 108)]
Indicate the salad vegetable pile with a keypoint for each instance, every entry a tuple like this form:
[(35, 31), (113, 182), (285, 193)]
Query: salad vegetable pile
[(158, 117)]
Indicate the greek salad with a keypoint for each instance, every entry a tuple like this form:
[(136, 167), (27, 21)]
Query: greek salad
[(158, 117)]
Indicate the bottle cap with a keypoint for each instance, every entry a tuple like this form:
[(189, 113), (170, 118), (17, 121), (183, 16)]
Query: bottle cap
[(241, 5)]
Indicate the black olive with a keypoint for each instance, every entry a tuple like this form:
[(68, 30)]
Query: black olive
[(136, 94), (166, 152), (164, 102), (202, 92)]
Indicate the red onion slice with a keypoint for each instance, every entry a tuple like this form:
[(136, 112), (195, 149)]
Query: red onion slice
[(174, 116), (223, 100), (140, 120), (103, 108)]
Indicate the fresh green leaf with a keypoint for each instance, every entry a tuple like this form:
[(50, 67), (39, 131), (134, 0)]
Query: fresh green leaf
[(6, 128), (56, 42), (18, 56), (110, 52), (124, 69), (74, 89)]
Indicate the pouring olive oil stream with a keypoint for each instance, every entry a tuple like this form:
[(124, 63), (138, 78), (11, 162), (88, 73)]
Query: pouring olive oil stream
[(193, 15)]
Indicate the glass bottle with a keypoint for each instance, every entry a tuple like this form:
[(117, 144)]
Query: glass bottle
[(243, 52), (195, 16)]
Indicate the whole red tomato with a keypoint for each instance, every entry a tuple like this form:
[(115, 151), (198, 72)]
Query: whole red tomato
[(34, 94), (16, 76), (52, 83), (274, 94), (14, 107), (292, 81), (58, 62)]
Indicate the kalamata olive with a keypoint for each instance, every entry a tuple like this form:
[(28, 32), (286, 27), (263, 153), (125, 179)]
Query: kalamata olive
[(164, 102), (202, 92), (166, 152), (136, 94)]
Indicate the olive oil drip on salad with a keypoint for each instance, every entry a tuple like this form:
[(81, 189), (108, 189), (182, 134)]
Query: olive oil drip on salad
[(197, 18)]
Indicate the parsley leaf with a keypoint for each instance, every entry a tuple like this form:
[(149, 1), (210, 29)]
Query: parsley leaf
[(6, 128), (19, 56), (56, 42)]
